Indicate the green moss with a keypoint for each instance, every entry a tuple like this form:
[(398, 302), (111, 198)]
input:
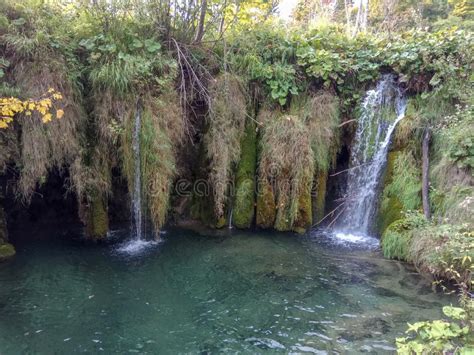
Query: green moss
[(390, 211), (97, 220), (6, 251), (220, 223), (244, 204), (283, 218), (201, 209), (265, 205), (319, 196), (304, 216), (401, 188), (397, 238), (202, 202)]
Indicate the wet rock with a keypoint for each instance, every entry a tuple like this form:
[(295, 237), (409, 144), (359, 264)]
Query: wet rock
[(6, 251)]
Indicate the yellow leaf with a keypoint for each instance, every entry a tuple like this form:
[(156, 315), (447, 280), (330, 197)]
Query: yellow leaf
[(59, 113), (47, 118)]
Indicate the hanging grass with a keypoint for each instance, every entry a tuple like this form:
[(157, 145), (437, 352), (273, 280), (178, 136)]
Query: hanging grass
[(294, 147), (320, 113), (287, 162), (160, 136), (227, 116), (56, 144)]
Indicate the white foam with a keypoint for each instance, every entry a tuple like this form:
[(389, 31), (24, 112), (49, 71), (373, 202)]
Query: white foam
[(136, 246), (346, 238)]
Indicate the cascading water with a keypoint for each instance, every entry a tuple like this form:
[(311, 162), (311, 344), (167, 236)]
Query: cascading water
[(230, 226), (138, 243), (381, 111), (137, 185)]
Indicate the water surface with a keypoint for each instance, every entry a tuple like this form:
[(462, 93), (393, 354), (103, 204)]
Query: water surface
[(243, 292)]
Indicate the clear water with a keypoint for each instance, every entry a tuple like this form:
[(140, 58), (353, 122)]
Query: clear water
[(241, 292), (381, 110)]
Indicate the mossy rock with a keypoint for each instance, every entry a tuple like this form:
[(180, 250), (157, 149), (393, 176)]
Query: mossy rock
[(97, 221), (304, 215), (220, 223), (390, 211), (319, 196), (390, 208), (3, 226), (401, 189), (6, 251), (265, 206), (283, 222), (397, 238), (244, 204)]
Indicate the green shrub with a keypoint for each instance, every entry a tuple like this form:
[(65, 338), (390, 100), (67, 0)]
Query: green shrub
[(452, 336)]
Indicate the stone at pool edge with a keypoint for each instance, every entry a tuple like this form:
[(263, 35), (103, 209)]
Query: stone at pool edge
[(6, 251)]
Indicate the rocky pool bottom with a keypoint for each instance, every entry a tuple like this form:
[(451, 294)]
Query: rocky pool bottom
[(240, 292)]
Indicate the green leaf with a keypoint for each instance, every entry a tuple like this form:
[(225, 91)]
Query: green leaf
[(87, 43), (152, 46), (136, 44), (455, 312)]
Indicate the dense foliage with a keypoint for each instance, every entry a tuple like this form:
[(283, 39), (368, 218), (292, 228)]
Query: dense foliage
[(229, 93)]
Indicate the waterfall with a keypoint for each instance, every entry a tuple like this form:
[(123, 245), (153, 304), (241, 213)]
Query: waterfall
[(137, 184), (381, 110), (137, 243), (230, 218)]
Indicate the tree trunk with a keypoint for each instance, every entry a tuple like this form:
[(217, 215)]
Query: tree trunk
[(425, 173), (202, 17)]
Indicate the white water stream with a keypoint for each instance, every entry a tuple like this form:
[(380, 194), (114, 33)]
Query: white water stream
[(381, 111)]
